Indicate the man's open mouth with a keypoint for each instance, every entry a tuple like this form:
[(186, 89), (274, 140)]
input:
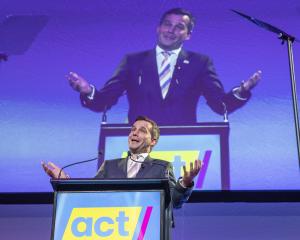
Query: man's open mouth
[(169, 37)]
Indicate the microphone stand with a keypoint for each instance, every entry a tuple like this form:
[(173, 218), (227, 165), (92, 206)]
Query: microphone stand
[(290, 40), (104, 116)]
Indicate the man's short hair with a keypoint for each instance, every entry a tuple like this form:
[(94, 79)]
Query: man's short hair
[(180, 11), (154, 131)]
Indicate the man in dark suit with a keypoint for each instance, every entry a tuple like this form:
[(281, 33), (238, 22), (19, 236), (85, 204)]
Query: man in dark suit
[(165, 83), (142, 138)]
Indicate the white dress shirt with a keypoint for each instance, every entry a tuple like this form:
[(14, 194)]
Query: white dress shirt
[(173, 57)]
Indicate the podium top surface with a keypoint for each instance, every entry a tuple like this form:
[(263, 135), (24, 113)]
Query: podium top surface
[(127, 184), (196, 125), (205, 127), (93, 184)]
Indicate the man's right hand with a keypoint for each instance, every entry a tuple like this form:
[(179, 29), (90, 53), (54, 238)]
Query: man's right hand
[(53, 171), (78, 83)]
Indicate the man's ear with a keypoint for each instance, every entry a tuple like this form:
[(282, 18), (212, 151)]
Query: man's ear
[(153, 142), (189, 35)]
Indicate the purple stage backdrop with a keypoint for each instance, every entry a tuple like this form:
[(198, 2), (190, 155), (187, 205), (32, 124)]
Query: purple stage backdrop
[(41, 117)]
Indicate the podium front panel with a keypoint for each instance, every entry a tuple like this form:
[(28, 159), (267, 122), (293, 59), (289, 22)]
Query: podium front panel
[(108, 215)]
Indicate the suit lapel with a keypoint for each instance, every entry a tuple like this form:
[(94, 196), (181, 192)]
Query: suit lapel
[(122, 167), (180, 67), (182, 60), (147, 166), (150, 74)]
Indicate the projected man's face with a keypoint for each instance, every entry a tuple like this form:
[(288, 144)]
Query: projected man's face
[(173, 31), (140, 139)]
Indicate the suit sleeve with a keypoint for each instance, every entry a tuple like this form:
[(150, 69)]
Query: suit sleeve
[(102, 170), (179, 194), (214, 93), (108, 96)]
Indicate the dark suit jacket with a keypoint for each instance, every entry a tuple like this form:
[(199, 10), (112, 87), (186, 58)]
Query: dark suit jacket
[(137, 75), (151, 168)]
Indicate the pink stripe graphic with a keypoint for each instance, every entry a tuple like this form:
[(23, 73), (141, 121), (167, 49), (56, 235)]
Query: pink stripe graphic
[(145, 223), (204, 169)]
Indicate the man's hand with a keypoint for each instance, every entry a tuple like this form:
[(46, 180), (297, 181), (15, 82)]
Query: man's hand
[(78, 83), (53, 171), (188, 176), (251, 82)]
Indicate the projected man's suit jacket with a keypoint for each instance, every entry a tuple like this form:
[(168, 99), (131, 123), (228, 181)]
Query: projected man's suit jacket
[(137, 76)]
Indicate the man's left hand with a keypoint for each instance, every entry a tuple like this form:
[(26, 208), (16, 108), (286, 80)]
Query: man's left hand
[(188, 176), (251, 82)]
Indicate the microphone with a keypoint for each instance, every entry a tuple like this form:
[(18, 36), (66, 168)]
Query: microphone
[(104, 116), (75, 163), (225, 113), (140, 76)]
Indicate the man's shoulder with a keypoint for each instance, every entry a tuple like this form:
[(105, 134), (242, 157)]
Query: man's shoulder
[(193, 54), (114, 161), (160, 161), (140, 54)]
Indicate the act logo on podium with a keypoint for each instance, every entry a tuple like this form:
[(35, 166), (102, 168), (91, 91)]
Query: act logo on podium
[(107, 223)]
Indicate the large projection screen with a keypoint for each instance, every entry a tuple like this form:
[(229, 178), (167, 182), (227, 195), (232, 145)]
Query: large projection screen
[(41, 118)]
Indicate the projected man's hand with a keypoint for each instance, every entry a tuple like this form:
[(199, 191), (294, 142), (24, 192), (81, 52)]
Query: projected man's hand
[(78, 83)]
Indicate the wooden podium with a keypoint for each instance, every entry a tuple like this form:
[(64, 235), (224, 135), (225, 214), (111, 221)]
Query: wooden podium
[(111, 209)]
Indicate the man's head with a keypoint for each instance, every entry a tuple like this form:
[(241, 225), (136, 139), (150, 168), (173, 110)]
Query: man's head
[(175, 27), (143, 136)]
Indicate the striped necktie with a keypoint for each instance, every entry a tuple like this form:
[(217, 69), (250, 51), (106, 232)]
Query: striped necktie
[(165, 74)]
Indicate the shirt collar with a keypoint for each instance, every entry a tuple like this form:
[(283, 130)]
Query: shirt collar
[(159, 50), (143, 156)]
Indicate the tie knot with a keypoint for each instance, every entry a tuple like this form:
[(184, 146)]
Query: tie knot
[(166, 54), (136, 157)]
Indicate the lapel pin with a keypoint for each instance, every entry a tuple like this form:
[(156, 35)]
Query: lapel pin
[(186, 61)]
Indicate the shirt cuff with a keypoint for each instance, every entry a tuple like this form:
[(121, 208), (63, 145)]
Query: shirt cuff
[(92, 94), (238, 95), (183, 185)]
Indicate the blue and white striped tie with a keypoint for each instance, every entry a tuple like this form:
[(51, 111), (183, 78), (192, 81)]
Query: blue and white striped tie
[(165, 73)]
